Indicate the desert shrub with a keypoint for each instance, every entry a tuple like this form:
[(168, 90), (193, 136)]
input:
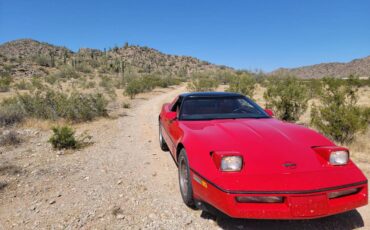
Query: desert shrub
[(244, 84), (83, 67), (10, 114), (133, 88), (66, 72), (338, 116), (22, 85), (37, 83), (108, 85), (43, 60), (10, 138), (5, 81), (126, 105), (52, 105), (63, 138), (51, 79), (288, 97), (90, 84), (148, 83), (314, 87), (202, 83), (106, 82)]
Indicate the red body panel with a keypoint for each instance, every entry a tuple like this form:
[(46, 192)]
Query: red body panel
[(266, 146)]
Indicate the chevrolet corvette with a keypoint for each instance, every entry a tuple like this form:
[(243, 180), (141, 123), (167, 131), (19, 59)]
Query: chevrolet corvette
[(238, 158)]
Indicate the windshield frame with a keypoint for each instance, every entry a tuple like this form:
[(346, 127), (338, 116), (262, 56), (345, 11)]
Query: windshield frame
[(264, 115)]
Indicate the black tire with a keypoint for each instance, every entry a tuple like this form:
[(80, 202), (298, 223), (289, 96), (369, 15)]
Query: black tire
[(162, 142), (186, 188)]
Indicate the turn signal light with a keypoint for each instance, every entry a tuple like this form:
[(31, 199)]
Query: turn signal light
[(259, 199), (343, 193)]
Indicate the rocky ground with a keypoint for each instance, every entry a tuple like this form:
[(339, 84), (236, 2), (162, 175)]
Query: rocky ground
[(122, 181)]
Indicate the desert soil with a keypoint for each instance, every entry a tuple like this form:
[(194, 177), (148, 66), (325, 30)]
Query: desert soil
[(122, 181)]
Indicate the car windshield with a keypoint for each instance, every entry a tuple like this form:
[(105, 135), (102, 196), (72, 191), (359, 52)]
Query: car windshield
[(208, 108)]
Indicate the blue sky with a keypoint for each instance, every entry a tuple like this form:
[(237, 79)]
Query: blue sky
[(249, 34)]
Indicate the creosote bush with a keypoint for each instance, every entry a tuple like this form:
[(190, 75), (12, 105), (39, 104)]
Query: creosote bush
[(63, 138), (50, 104), (202, 83), (338, 116), (148, 83), (287, 96), (5, 81), (10, 114), (244, 84)]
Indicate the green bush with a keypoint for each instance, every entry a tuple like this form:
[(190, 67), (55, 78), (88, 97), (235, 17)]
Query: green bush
[(314, 87), (244, 84), (83, 67), (37, 83), (23, 85), (202, 83), (52, 105), (43, 60), (148, 83), (63, 138), (338, 116), (5, 81), (66, 72), (10, 114), (133, 88), (288, 97)]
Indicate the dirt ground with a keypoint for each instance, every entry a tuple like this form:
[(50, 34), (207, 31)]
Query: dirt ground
[(122, 181)]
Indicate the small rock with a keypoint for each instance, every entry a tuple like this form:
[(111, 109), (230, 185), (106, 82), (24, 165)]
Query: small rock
[(119, 182), (38, 144), (152, 216), (52, 202), (120, 217), (188, 220), (154, 174)]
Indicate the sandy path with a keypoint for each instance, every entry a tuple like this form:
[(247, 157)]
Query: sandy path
[(124, 181)]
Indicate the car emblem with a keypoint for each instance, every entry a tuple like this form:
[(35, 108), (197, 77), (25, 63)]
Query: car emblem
[(290, 165)]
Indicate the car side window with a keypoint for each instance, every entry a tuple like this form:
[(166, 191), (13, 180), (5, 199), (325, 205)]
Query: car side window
[(176, 106)]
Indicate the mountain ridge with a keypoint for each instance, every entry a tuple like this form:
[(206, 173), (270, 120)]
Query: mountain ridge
[(25, 53), (359, 67)]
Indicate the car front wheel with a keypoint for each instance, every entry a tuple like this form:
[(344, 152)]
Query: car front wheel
[(185, 180)]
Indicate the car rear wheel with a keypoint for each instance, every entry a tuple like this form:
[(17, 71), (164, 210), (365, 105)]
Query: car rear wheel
[(162, 142), (186, 188)]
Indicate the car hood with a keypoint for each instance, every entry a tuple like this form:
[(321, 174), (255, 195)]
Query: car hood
[(266, 144)]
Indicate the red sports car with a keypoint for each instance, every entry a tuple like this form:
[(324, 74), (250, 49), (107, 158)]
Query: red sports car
[(236, 157)]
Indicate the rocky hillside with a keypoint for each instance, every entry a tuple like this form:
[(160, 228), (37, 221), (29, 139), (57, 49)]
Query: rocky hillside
[(359, 67), (26, 57)]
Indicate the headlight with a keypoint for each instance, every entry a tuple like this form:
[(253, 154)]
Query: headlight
[(338, 157), (231, 163)]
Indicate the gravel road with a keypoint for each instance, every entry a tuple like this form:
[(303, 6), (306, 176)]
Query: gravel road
[(122, 181)]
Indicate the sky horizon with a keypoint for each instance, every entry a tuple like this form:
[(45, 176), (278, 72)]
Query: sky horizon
[(248, 35)]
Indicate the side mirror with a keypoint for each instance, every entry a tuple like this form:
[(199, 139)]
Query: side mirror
[(171, 116), (269, 112)]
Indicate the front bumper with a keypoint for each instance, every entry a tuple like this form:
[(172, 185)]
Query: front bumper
[(307, 205)]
